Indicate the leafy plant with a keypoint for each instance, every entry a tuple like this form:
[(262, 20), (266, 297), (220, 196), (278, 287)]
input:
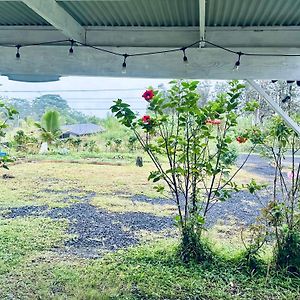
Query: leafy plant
[(90, 146), (50, 127), (7, 113), (132, 143), (75, 142), (23, 141), (283, 210), (117, 143), (108, 144), (197, 144)]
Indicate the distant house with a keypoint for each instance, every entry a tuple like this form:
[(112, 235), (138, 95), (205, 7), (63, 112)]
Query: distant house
[(80, 130)]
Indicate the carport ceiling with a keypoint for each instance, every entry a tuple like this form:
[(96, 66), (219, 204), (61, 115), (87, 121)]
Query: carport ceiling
[(130, 26)]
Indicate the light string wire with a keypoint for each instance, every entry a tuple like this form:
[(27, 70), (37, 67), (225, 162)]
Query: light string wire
[(128, 55)]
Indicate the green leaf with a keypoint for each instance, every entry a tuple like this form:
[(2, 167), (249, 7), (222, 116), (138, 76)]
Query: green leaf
[(159, 188)]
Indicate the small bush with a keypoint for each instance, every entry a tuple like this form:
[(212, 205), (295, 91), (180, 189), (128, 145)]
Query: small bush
[(287, 254)]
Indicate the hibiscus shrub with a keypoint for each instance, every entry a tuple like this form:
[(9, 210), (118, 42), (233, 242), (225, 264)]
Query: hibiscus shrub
[(197, 143)]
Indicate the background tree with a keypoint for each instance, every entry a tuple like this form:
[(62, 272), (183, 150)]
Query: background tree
[(48, 102), (55, 102), (23, 107)]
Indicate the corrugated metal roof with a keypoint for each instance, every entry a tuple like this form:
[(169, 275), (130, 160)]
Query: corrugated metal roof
[(252, 12), (82, 129), (163, 13), (184, 12), (134, 12), (17, 13)]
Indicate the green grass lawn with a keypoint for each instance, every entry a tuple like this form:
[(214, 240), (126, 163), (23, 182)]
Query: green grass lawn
[(146, 272), (34, 265)]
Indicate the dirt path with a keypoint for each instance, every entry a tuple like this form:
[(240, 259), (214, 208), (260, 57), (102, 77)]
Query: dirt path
[(261, 166)]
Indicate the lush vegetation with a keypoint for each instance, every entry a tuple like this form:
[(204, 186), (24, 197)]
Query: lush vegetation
[(189, 141)]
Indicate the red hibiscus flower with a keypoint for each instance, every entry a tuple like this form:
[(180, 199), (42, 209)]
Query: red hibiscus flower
[(214, 122), (146, 119), (148, 95), (241, 139)]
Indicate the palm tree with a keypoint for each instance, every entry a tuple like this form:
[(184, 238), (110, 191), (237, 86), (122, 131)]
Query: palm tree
[(49, 126)]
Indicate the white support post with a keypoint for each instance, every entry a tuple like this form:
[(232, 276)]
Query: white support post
[(202, 21), (53, 13), (289, 121)]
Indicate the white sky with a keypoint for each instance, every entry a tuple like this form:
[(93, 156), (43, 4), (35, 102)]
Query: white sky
[(88, 101)]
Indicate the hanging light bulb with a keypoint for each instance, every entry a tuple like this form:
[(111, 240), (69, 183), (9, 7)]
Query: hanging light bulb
[(71, 50), (238, 62), (289, 82), (185, 59), (124, 64), (286, 99), (18, 55)]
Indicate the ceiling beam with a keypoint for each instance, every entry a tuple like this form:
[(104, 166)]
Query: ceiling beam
[(232, 37), (209, 63), (202, 21), (72, 0), (54, 14)]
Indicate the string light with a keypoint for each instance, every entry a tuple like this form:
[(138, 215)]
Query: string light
[(286, 99), (290, 81), (238, 62), (71, 50), (18, 55), (185, 59), (183, 49), (124, 63)]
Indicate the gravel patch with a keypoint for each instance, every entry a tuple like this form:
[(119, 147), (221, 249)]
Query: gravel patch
[(242, 207), (24, 211), (98, 230)]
